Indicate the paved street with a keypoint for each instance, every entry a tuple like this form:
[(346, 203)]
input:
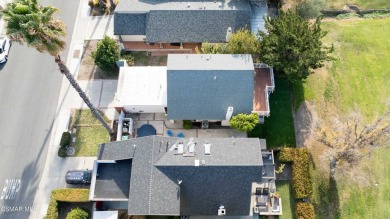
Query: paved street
[(29, 89)]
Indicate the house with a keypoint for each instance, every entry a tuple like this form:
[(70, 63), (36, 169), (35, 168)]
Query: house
[(197, 87), (155, 25), (157, 175)]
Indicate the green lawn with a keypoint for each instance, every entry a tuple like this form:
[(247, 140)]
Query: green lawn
[(358, 79), (90, 133), (284, 188), (278, 129), (361, 3)]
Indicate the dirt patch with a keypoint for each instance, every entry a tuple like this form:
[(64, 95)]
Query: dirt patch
[(305, 123), (88, 70)]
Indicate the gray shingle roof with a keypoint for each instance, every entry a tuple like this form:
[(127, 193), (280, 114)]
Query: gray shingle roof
[(206, 94), (225, 178), (175, 21), (195, 25), (130, 23)]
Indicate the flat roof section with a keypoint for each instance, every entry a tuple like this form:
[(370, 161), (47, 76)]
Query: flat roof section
[(142, 86), (113, 180), (262, 80)]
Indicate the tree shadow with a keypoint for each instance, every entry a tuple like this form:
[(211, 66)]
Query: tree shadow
[(328, 205)]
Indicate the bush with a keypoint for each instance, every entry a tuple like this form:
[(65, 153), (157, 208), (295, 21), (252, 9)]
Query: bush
[(244, 122), (77, 213), (65, 195), (301, 179), (128, 57), (311, 8), (65, 139), (187, 124), (287, 154), (304, 210), (106, 55), (302, 185), (62, 152)]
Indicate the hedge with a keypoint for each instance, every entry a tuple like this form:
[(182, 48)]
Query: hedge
[(287, 154), (187, 124), (301, 179), (62, 152), (65, 139), (304, 210), (65, 195)]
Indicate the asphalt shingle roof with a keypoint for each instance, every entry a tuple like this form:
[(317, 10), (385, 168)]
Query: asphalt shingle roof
[(224, 178), (206, 90), (194, 25), (181, 21)]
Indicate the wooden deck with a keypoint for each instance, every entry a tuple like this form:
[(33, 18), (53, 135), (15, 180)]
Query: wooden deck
[(262, 79), (166, 49)]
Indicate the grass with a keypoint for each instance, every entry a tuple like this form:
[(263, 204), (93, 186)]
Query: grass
[(90, 133), (365, 4), (358, 79), (284, 188), (278, 129)]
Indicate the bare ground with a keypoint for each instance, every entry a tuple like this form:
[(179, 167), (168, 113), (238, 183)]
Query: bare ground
[(88, 70)]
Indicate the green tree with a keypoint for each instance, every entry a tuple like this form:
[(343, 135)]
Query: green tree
[(244, 122), (293, 46), (106, 54), (77, 213), (243, 42), (34, 25), (207, 48)]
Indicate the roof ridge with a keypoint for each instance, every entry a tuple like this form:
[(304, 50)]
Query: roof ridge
[(151, 178)]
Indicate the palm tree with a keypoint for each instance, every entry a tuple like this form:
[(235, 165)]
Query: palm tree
[(32, 24)]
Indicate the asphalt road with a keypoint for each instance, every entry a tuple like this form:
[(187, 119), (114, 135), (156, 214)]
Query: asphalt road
[(30, 84)]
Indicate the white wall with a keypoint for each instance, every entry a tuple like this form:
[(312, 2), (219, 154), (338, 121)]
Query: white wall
[(144, 109), (133, 37)]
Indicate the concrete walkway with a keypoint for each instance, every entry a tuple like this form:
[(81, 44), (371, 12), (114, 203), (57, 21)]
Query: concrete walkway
[(101, 93)]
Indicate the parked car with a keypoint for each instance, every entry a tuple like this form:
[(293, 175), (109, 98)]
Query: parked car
[(5, 45), (78, 176)]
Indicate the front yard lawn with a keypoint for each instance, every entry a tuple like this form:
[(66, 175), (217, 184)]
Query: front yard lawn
[(90, 133), (278, 129)]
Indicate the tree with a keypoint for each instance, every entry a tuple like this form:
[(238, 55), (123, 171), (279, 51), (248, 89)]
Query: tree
[(207, 48), (293, 46), (107, 54), (34, 25), (243, 42), (244, 122), (351, 141), (77, 213)]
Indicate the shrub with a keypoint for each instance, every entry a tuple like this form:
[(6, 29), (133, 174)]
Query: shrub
[(77, 213), (302, 185), (304, 210), (65, 139), (311, 8), (187, 124), (62, 152), (65, 195), (244, 122), (287, 154), (128, 57), (106, 54)]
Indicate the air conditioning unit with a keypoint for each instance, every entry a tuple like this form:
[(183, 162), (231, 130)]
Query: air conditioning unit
[(256, 210), (221, 210)]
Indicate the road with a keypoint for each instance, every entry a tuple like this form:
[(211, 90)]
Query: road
[(30, 84)]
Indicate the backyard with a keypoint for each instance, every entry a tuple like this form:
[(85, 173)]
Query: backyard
[(358, 80), (89, 133), (278, 129)]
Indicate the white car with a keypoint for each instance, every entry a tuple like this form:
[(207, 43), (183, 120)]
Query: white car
[(5, 45)]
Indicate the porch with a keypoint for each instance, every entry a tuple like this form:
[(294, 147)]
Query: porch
[(264, 85)]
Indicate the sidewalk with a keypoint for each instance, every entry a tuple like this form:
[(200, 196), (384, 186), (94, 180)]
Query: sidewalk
[(101, 93)]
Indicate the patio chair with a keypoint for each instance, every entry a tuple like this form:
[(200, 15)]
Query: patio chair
[(180, 135), (170, 133)]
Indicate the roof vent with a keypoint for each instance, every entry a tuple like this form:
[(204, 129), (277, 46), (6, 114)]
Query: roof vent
[(220, 5), (188, 5), (228, 33), (207, 149), (221, 210)]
